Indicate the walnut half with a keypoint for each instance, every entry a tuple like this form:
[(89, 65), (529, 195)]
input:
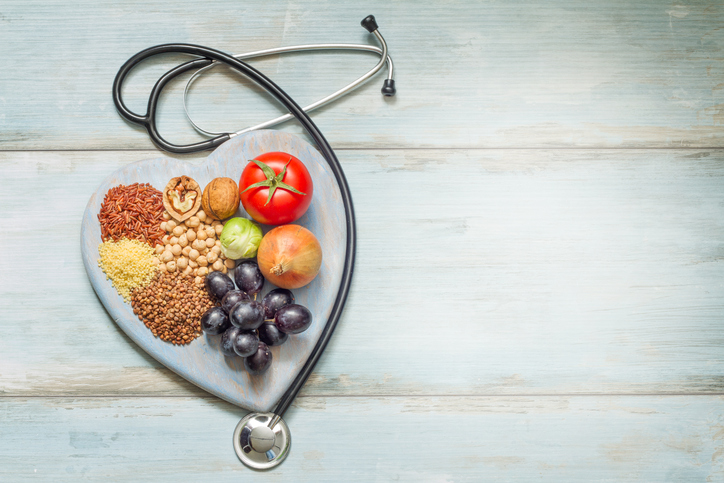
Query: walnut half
[(182, 198)]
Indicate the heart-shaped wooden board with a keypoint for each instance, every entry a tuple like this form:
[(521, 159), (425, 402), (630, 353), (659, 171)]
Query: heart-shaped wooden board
[(201, 362)]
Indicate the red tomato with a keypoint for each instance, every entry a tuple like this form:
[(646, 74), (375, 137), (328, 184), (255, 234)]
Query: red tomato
[(285, 206)]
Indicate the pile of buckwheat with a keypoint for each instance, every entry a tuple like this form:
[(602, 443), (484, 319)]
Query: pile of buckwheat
[(171, 306)]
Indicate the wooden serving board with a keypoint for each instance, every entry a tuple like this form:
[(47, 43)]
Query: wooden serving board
[(201, 362)]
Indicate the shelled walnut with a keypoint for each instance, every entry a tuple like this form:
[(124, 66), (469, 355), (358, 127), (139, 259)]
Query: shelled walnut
[(182, 198)]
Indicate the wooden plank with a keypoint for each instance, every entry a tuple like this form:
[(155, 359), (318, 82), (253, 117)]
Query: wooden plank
[(469, 73), (370, 439), (479, 272)]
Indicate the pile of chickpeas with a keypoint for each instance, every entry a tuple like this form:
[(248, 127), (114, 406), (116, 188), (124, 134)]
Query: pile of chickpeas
[(192, 247)]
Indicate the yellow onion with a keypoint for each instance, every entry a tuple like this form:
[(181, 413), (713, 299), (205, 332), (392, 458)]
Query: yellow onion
[(289, 256)]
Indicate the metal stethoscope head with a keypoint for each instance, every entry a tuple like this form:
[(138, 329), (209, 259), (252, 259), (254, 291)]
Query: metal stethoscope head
[(369, 23)]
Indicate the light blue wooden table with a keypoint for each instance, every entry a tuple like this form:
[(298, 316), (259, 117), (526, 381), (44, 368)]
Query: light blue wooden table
[(539, 290)]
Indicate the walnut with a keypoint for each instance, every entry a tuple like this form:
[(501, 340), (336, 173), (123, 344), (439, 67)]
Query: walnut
[(182, 198), (220, 199)]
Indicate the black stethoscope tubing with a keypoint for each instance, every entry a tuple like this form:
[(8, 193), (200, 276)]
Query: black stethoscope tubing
[(207, 57)]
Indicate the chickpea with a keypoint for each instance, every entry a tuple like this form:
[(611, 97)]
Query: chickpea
[(201, 215), (199, 280), (191, 235), (202, 261), (170, 225), (188, 270), (193, 264), (182, 263), (196, 272), (166, 216), (159, 249), (229, 263), (186, 250), (166, 256), (176, 250), (201, 235), (193, 222), (178, 231), (164, 240), (219, 229), (212, 257), (218, 243), (201, 271), (173, 240), (218, 265), (171, 266), (198, 245), (194, 254), (163, 225), (183, 241), (210, 232), (162, 267), (224, 269), (155, 260), (216, 249), (210, 242)]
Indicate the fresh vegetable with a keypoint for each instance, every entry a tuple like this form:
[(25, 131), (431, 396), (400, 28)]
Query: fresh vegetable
[(293, 319), (248, 277), (289, 256), (275, 188), (240, 238)]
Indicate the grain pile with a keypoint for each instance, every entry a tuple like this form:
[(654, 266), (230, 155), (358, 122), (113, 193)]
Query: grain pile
[(127, 264), (171, 306)]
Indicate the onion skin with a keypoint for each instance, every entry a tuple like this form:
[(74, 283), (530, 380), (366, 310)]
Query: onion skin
[(289, 256)]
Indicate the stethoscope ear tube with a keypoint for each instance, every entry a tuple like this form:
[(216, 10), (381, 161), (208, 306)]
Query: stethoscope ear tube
[(148, 120)]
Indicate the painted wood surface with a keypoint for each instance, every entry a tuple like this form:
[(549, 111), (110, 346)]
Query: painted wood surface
[(517, 313), (426, 439), (469, 73), (478, 272), (201, 361)]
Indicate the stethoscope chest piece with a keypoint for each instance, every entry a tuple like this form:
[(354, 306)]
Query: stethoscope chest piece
[(257, 445)]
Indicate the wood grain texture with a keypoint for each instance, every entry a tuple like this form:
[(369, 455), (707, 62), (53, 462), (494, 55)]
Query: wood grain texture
[(469, 73), (478, 272), (201, 362), (518, 439)]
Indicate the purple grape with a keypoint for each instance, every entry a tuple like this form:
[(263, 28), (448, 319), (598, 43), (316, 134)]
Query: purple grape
[(270, 335), (275, 300), (215, 321), (226, 344), (232, 298), (247, 315), (260, 361), (245, 344), (293, 319), (217, 284), (248, 277)]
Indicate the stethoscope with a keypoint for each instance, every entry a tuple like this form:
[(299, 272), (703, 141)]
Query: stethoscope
[(263, 440)]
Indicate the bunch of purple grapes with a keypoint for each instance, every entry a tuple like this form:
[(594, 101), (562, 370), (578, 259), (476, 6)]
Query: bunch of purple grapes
[(248, 327)]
